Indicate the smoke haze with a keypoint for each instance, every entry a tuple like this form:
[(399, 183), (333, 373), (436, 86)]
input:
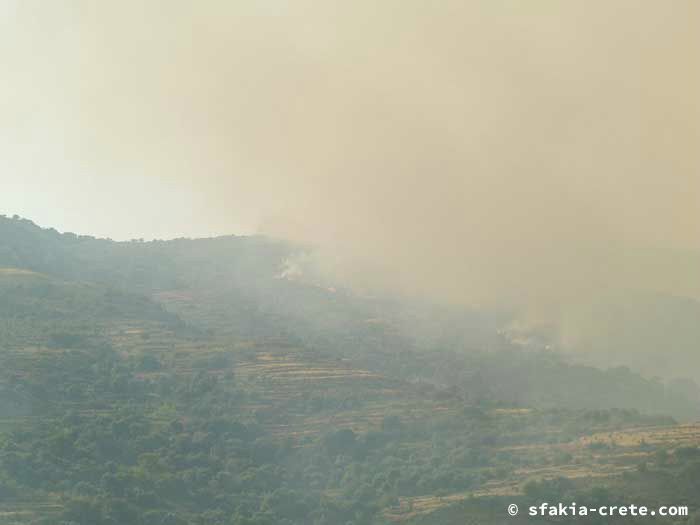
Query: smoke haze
[(535, 155)]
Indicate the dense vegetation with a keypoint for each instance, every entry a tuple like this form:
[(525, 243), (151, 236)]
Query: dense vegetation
[(184, 382)]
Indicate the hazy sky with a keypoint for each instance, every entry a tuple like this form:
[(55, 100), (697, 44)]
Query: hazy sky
[(505, 142)]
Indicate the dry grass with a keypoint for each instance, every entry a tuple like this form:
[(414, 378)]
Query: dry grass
[(622, 456)]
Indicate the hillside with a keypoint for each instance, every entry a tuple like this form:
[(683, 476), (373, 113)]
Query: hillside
[(185, 382)]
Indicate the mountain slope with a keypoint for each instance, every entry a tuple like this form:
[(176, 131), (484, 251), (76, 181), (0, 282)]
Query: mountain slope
[(184, 382)]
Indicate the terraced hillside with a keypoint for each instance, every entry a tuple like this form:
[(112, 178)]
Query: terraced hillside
[(218, 393), (617, 459)]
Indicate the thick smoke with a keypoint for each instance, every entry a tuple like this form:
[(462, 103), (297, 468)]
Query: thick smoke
[(539, 156)]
